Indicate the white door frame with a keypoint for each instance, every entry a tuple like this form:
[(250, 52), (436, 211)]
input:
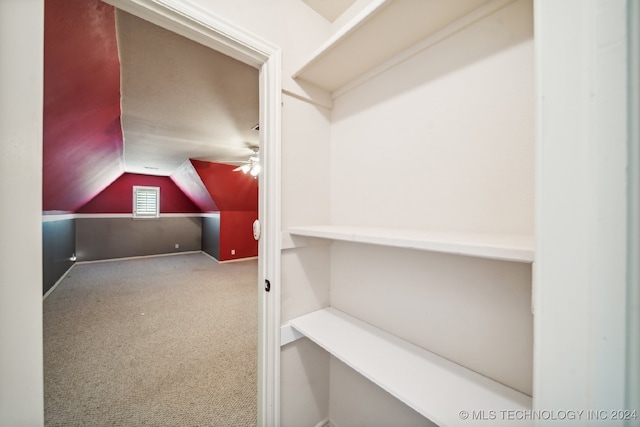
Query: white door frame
[(219, 34)]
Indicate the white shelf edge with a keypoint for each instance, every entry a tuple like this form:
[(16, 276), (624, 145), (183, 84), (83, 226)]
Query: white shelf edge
[(451, 29), (506, 247), (358, 20), (433, 386), (392, 59)]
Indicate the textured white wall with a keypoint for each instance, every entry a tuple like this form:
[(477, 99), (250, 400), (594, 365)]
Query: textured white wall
[(21, 369)]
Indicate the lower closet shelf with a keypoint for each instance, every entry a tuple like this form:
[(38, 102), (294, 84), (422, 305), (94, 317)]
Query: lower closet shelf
[(440, 390)]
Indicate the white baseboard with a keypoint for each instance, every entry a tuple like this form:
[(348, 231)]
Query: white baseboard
[(55, 285)]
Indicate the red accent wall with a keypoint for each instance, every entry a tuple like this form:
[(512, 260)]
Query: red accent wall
[(236, 233), (118, 197), (236, 194), (82, 135)]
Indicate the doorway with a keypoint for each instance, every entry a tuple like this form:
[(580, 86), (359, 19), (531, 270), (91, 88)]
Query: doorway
[(219, 35)]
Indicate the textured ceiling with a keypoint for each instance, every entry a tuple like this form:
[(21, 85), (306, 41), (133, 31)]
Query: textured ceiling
[(181, 100)]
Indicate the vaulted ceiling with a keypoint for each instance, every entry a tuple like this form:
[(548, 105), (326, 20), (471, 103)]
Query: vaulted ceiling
[(123, 95), (181, 100)]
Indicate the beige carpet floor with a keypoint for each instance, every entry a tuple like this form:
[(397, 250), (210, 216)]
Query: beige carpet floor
[(162, 341)]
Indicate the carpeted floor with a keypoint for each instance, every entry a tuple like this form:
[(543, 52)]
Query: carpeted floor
[(163, 341)]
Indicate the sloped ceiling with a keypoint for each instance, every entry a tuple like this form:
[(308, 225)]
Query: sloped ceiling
[(123, 95), (82, 138), (179, 101), (182, 100)]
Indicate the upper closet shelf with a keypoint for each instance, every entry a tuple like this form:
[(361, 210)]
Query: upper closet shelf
[(388, 29), (440, 390), (509, 247)]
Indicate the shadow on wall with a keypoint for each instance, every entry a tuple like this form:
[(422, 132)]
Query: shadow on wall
[(503, 30)]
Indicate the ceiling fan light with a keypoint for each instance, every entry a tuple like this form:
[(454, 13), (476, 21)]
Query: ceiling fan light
[(245, 168), (255, 169)]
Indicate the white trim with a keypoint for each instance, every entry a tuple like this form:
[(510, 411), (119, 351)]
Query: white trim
[(55, 285), (202, 26), (211, 215), (192, 21), (62, 217), (633, 219), (581, 205), (57, 217), (269, 204), (103, 215)]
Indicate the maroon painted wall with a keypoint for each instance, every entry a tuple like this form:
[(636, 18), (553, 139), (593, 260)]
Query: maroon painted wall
[(82, 136), (236, 233), (236, 195), (118, 197)]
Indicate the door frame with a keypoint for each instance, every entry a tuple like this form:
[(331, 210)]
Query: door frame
[(219, 34)]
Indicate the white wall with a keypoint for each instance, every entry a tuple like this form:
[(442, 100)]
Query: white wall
[(21, 369), (581, 205), (444, 141), (472, 311), (305, 275), (355, 401)]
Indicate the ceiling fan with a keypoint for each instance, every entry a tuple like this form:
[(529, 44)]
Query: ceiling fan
[(250, 166)]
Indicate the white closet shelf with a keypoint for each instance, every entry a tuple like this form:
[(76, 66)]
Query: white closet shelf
[(508, 247), (433, 386), (384, 30)]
